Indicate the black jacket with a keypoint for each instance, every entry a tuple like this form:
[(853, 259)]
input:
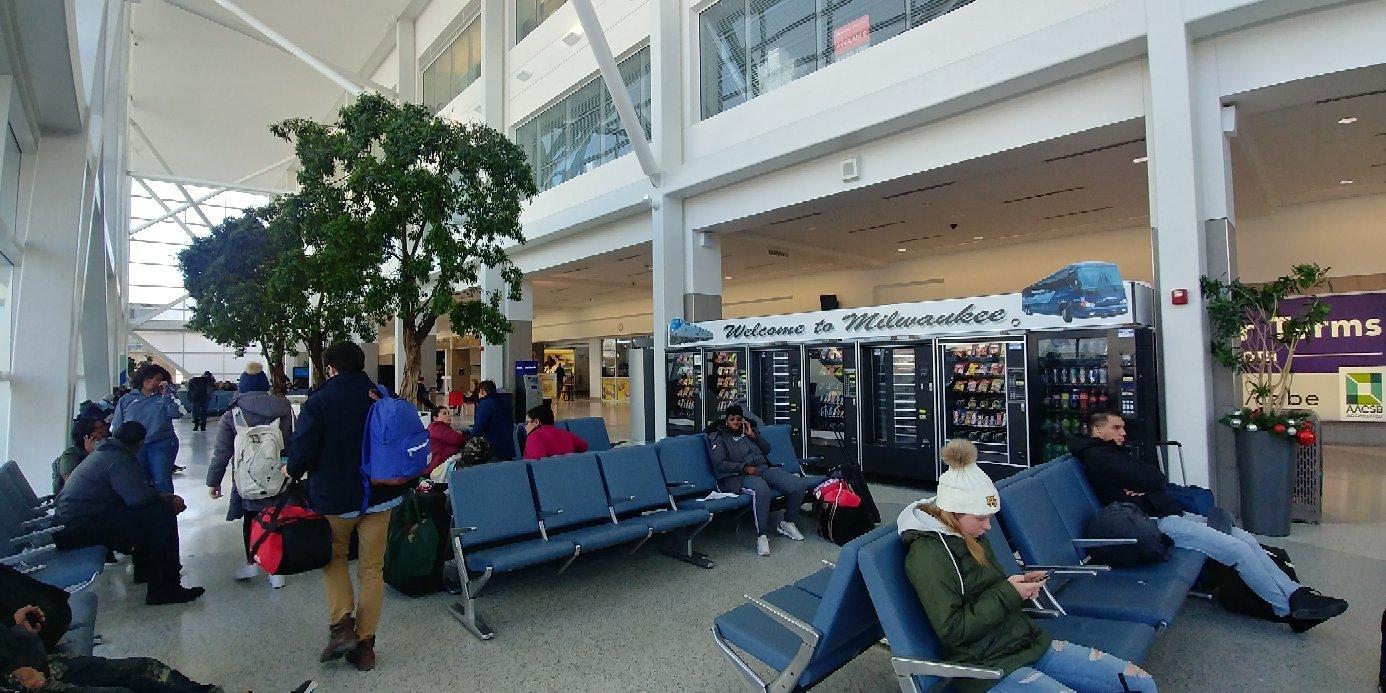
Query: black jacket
[(327, 446), (1112, 471), (496, 423)]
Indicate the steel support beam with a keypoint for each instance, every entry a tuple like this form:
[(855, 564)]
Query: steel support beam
[(322, 68), (157, 310), (167, 210), (158, 352), (620, 96), (134, 125)]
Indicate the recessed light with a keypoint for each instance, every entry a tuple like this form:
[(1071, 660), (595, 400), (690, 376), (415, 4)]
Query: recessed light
[(573, 36), (1347, 121), (1346, 182), (523, 75), (1140, 159), (977, 238), (900, 250), (727, 277)]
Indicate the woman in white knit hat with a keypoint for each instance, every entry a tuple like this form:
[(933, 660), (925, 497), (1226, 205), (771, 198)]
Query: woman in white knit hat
[(976, 610)]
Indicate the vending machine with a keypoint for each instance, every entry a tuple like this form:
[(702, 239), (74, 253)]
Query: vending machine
[(777, 390), (897, 429), (684, 370), (984, 401), (724, 381), (830, 396), (1078, 372)]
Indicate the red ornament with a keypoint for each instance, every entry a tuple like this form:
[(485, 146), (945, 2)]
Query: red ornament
[(1279, 429), (1306, 436)]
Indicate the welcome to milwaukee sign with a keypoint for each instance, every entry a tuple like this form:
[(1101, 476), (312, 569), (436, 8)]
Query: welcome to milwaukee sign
[(948, 318)]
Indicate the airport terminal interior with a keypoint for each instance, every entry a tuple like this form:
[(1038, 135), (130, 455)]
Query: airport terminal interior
[(922, 248)]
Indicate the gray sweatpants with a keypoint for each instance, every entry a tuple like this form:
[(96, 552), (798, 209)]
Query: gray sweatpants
[(769, 483)]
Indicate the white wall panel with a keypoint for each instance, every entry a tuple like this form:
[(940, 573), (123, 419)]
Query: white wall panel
[(1302, 46)]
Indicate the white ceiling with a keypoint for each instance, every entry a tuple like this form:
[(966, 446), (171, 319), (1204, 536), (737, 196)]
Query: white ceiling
[(205, 86)]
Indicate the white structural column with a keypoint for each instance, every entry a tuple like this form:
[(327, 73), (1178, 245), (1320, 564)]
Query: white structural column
[(666, 214), (46, 304), (594, 368), (404, 36), (498, 360), (493, 51), (1181, 173), (95, 329)]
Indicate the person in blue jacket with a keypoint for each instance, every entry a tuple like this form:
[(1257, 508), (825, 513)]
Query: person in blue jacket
[(494, 421), (152, 404)]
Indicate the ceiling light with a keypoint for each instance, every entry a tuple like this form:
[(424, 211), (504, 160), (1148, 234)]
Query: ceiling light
[(573, 36), (1140, 159), (1346, 182), (900, 250), (977, 238), (523, 75), (727, 277), (1347, 121)]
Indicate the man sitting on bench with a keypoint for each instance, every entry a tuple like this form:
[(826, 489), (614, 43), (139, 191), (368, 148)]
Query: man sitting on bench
[(1116, 476), (740, 457)]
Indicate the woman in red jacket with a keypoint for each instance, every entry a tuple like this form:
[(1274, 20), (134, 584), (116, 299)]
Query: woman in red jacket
[(444, 440), (543, 439)]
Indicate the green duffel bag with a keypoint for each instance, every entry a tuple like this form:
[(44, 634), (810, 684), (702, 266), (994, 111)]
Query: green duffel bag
[(412, 549)]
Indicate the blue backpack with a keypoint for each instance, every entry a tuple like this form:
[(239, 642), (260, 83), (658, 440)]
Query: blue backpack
[(395, 450)]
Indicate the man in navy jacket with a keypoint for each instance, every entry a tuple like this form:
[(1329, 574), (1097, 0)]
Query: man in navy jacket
[(494, 421), (327, 447)]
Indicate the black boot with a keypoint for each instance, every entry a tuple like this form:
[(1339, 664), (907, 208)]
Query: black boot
[(1306, 604), (172, 595)]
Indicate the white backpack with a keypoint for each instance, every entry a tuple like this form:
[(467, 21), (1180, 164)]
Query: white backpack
[(256, 467)]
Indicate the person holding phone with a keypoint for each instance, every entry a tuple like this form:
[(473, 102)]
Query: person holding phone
[(152, 404), (977, 611), (740, 457)]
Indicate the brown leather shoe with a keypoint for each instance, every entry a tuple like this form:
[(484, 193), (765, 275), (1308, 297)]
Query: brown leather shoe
[(363, 655), (341, 639)]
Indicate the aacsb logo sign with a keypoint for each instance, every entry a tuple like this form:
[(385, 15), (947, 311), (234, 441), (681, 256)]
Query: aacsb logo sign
[(1363, 393)]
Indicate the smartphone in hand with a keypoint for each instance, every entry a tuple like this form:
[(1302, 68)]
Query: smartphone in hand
[(1044, 575)]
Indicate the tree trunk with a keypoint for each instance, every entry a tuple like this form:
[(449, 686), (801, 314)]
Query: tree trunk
[(413, 368), (274, 362), (315, 354)]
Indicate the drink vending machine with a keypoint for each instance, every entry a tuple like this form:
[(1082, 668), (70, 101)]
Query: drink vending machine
[(777, 391)]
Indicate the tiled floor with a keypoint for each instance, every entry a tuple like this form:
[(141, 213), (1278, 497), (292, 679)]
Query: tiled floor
[(616, 622)]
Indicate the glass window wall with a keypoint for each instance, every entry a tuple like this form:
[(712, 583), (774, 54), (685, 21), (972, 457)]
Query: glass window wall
[(750, 47), (454, 69), (582, 131), (529, 14)]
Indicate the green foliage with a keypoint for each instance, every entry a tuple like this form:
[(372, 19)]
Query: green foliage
[(227, 273), (1248, 335), (433, 202)]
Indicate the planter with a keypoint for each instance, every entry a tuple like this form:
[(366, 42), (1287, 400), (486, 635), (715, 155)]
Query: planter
[(1266, 470)]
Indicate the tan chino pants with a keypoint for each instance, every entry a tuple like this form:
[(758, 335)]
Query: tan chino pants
[(372, 531)]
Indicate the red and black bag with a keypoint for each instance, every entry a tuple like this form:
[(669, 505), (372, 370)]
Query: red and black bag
[(290, 538)]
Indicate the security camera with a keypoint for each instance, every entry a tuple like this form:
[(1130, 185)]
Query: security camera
[(952, 226)]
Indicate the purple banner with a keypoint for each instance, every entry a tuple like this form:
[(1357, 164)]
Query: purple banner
[(1353, 336)]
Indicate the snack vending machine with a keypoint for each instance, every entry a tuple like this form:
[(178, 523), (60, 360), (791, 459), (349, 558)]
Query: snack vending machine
[(830, 393), (984, 401), (897, 434), (777, 390), (1078, 372), (725, 381), (685, 391)]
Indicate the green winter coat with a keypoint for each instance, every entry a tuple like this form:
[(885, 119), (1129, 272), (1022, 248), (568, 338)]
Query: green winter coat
[(975, 611)]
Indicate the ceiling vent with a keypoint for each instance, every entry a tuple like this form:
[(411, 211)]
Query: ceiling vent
[(802, 216), (920, 238), (577, 269), (1094, 150), (776, 252), (1043, 194), (1077, 213), (1346, 97), (919, 190), (628, 257), (877, 226)]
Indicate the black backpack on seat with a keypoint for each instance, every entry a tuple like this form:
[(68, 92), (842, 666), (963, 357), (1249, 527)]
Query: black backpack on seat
[(1127, 521)]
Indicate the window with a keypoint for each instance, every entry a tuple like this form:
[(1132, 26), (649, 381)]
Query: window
[(582, 131), (529, 14), (454, 69), (750, 47), (9, 182)]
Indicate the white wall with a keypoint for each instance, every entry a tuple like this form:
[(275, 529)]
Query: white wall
[(1348, 236)]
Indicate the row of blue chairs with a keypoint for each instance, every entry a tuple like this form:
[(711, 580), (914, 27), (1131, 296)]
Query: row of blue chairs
[(804, 635), (26, 545), (517, 514)]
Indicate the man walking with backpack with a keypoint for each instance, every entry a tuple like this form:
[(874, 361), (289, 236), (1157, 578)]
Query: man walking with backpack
[(327, 446)]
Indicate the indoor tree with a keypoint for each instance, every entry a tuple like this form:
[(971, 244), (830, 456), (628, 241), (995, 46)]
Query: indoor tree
[(437, 201), (227, 273)]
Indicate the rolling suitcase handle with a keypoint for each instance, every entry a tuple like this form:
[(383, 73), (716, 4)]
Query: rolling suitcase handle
[(1163, 446)]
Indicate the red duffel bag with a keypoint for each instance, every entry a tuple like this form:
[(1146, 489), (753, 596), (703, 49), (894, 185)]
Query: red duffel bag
[(289, 538)]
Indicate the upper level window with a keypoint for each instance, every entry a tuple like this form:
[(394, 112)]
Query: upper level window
[(750, 47), (454, 69), (529, 14), (9, 181), (582, 131)]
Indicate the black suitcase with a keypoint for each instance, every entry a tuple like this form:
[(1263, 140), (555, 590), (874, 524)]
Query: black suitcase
[(1238, 598)]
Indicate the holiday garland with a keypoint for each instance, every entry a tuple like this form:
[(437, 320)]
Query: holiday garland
[(1294, 425)]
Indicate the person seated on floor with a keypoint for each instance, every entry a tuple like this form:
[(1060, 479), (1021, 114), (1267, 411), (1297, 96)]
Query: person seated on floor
[(976, 610), (25, 665), (444, 440), (740, 458), (1116, 476), (86, 435), (108, 501), (543, 439)]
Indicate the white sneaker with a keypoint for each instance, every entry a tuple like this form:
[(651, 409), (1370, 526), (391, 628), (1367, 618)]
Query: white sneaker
[(763, 545), (276, 581), (247, 572), (789, 530)]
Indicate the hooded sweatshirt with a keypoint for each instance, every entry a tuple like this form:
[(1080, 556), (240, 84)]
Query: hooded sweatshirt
[(973, 609), (1111, 472)]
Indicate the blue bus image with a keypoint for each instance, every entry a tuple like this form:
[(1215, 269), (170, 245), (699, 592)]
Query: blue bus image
[(1080, 290), (681, 332)]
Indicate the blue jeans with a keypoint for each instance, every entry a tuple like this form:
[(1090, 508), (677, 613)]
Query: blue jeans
[(1069, 667), (157, 458), (1237, 550)]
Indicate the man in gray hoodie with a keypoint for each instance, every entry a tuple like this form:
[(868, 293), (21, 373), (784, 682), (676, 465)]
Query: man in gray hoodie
[(740, 458)]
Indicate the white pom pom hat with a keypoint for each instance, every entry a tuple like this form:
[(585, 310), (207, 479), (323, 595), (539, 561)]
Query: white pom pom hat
[(965, 488)]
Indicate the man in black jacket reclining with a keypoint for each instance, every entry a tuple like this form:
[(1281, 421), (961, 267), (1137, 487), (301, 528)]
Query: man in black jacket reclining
[(1116, 476)]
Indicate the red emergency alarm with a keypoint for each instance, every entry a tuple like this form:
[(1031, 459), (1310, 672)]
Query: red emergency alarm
[(1179, 297)]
